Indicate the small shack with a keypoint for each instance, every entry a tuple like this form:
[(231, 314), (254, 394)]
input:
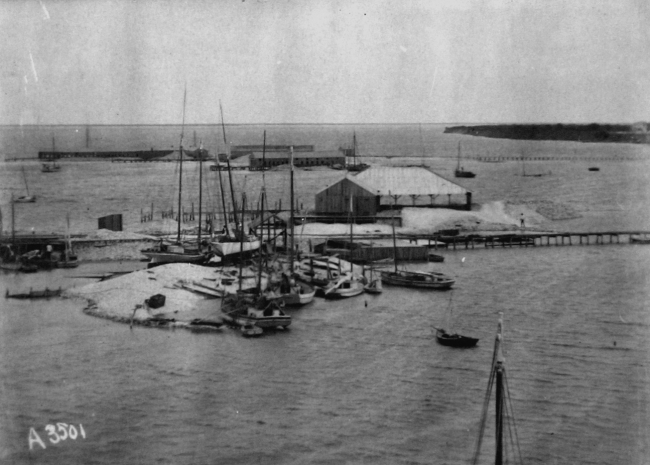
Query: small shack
[(381, 188)]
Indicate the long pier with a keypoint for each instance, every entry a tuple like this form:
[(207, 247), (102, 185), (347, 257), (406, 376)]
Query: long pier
[(536, 239)]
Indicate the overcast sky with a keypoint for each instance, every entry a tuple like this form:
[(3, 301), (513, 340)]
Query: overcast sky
[(324, 61)]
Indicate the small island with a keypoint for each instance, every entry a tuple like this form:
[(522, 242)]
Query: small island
[(636, 133)]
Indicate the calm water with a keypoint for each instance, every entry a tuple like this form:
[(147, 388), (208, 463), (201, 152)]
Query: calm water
[(358, 381), (348, 383)]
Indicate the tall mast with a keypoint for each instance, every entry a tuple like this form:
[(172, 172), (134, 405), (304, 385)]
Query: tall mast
[(232, 191), (394, 239), (291, 243), (354, 148), (223, 197), (241, 243), (263, 160), (13, 220), (180, 175), (500, 399), (351, 225), (25, 179), (198, 240)]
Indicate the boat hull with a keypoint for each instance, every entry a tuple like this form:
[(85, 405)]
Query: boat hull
[(229, 249), (454, 340), (172, 257), (434, 281)]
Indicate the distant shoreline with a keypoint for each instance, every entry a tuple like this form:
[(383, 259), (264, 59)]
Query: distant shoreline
[(600, 133)]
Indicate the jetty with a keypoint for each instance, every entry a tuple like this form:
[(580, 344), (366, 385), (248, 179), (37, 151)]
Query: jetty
[(532, 239)]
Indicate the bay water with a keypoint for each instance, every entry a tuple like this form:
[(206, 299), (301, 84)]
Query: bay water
[(355, 381)]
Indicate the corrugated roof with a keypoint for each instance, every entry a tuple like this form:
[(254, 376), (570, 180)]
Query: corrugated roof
[(385, 180)]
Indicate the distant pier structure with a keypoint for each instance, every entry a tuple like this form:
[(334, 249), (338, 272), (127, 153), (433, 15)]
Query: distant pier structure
[(141, 154)]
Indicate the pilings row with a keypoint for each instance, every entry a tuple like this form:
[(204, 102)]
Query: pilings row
[(532, 240)]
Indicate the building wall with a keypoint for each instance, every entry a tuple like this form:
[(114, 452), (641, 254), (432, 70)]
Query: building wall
[(275, 160), (336, 199)]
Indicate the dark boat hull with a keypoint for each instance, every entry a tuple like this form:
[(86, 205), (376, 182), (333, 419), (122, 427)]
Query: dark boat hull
[(454, 340), (464, 174)]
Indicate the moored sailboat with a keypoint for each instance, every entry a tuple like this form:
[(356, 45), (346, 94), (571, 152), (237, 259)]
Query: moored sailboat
[(180, 252), (460, 172), (420, 279), (507, 447), (25, 198)]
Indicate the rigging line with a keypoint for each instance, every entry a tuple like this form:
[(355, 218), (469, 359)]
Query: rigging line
[(512, 415)]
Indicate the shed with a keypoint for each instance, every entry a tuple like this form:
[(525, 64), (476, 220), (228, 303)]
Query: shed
[(379, 188)]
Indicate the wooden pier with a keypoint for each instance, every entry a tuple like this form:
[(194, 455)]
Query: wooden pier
[(525, 239)]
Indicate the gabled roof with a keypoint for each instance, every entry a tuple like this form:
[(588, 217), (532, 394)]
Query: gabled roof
[(386, 180)]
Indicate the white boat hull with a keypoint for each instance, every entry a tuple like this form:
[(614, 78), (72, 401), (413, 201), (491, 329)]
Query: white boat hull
[(226, 249)]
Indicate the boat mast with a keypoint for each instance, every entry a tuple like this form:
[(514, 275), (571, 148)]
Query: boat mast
[(458, 164), (351, 226), (223, 197), (500, 399), (354, 148), (232, 192), (198, 240), (25, 179), (291, 219), (180, 175), (13, 221), (394, 238), (241, 242)]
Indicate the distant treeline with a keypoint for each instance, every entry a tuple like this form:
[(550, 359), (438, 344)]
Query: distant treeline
[(631, 133)]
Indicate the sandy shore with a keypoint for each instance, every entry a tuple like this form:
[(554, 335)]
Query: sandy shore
[(123, 298)]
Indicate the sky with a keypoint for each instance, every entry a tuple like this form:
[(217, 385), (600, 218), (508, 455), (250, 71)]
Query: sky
[(324, 61)]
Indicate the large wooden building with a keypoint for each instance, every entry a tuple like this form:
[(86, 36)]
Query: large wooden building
[(381, 188), (260, 161)]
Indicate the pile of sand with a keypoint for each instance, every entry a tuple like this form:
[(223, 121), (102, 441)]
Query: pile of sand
[(339, 229), (493, 216), (123, 298)]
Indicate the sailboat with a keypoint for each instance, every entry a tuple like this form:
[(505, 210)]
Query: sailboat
[(453, 339), (253, 309), (197, 152), (373, 284), (52, 167), (25, 198), (348, 284), (69, 259), (420, 279), (179, 252), (10, 258), (353, 153), (237, 242), (529, 175), (289, 290), (507, 447), (460, 171)]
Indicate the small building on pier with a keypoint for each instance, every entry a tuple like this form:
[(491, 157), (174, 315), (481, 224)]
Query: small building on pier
[(382, 188)]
